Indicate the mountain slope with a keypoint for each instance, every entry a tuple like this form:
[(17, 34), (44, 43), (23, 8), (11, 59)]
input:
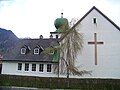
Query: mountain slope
[(7, 40)]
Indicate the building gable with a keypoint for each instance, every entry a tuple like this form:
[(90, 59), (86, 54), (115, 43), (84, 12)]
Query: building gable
[(94, 8), (101, 44)]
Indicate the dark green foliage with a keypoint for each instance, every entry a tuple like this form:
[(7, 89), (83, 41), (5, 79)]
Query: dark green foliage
[(60, 83)]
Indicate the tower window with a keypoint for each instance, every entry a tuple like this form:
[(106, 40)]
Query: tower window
[(56, 36), (94, 20)]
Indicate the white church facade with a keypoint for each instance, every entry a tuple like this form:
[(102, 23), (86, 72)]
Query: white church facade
[(101, 45), (100, 53)]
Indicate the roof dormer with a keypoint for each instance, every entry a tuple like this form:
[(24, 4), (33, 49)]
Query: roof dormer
[(38, 49), (25, 49)]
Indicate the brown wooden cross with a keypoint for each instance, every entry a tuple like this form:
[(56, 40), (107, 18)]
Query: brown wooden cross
[(95, 42)]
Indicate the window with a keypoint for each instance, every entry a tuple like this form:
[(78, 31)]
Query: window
[(48, 67), (51, 51), (33, 67), (56, 36), (23, 50), (20, 66), (94, 20), (41, 67), (26, 67), (36, 51)]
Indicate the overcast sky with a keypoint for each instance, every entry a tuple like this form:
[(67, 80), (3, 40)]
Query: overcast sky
[(31, 18)]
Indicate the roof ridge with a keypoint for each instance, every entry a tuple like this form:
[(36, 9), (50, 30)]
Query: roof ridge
[(37, 39)]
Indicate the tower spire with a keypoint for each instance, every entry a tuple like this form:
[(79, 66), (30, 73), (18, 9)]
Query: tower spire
[(62, 14)]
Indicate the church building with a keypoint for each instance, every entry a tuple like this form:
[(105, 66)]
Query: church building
[(100, 53)]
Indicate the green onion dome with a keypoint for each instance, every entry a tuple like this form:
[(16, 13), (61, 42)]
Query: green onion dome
[(60, 22)]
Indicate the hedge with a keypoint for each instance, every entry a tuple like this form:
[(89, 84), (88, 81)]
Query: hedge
[(60, 83)]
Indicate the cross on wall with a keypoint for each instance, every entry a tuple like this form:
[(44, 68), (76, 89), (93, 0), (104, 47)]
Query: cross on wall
[(95, 42)]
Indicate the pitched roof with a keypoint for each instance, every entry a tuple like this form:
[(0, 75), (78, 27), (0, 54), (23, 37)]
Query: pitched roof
[(14, 54), (101, 14)]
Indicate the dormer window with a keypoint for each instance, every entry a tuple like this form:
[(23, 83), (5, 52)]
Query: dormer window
[(36, 51), (23, 50), (51, 51)]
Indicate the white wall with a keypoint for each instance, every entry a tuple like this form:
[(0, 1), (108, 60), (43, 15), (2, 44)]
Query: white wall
[(12, 69), (54, 35), (108, 53)]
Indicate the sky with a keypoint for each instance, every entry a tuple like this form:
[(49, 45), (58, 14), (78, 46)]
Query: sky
[(32, 18)]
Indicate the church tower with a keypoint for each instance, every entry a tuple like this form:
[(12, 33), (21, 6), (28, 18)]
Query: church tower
[(61, 24)]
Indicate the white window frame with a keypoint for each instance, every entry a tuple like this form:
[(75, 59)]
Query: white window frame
[(19, 67), (34, 67), (23, 50), (41, 67), (36, 51), (49, 68), (26, 67)]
